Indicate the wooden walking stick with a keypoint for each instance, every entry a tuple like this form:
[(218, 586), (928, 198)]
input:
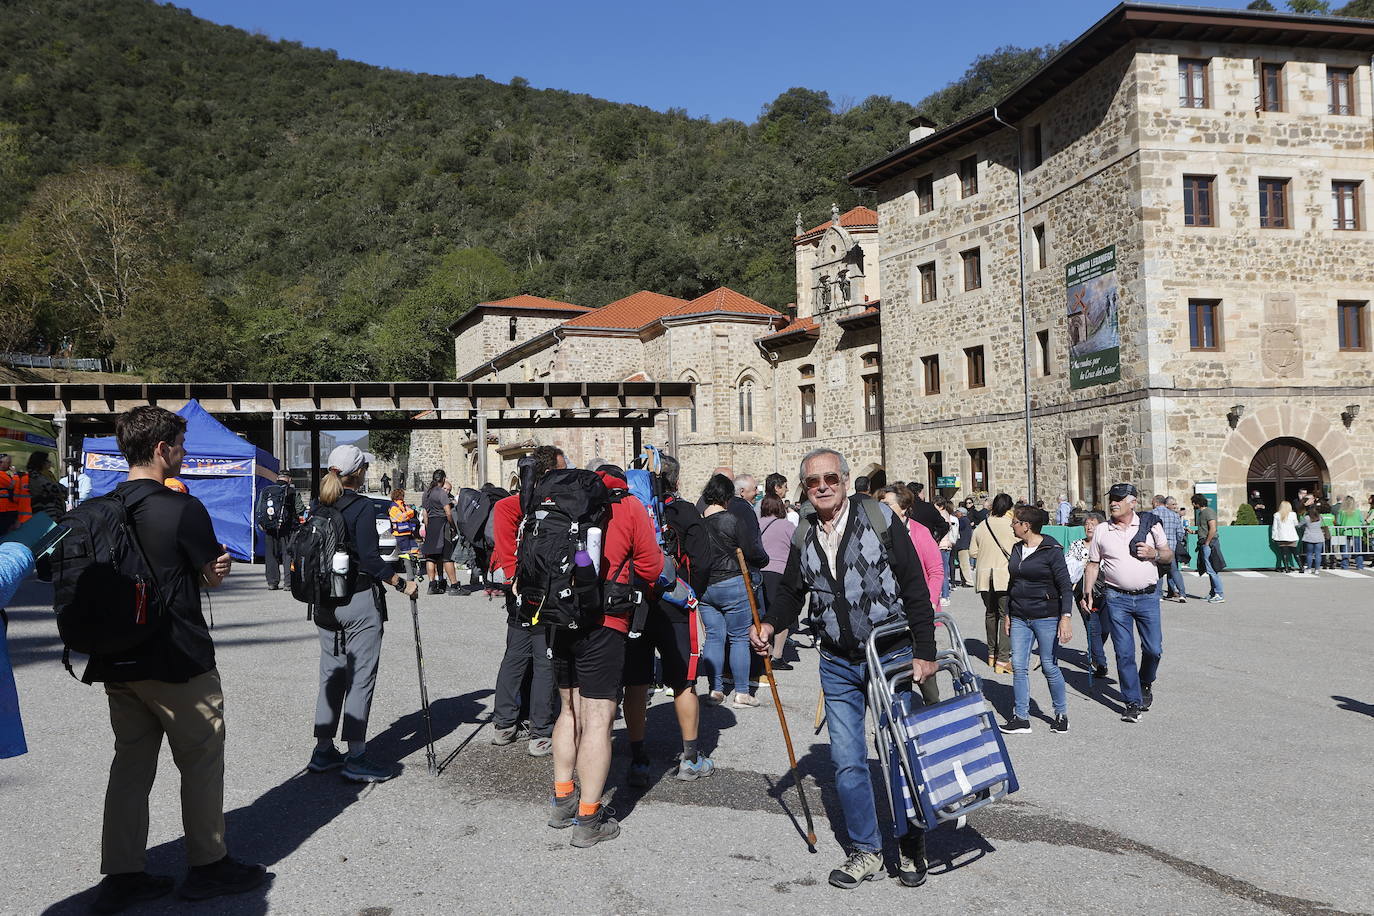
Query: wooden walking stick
[(777, 703), (820, 710)]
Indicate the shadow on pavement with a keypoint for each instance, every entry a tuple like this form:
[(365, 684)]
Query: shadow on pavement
[(283, 818), (1347, 703)]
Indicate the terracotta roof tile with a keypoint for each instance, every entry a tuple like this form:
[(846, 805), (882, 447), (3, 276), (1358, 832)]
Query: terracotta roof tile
[(724, 300), (795, 326), (859, 217), (535, 302), (631, 313)]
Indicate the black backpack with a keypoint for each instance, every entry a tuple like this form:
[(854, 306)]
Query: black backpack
[(553, 589), (105, 596), (475, 515), (276, 508), (311, 553)]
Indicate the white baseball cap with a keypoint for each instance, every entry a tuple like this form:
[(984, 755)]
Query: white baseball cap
[(346, 459)]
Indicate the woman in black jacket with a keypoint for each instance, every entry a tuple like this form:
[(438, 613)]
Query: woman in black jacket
[(724, 606), (1041, 608)]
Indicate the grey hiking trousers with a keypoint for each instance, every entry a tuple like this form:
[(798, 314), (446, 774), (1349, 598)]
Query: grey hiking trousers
[(348, 678)]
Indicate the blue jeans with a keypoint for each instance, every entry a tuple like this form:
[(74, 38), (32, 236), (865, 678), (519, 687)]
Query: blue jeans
[(724, 609), (1045, 632), (945, 557), (1354, 546), (846, 701), (1175, 580), (1313, 552), (1205, 550), (1098, 626), (1131, 614)]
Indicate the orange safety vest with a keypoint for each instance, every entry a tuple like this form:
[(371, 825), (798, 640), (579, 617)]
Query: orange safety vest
[(22, 499), (7, 503)]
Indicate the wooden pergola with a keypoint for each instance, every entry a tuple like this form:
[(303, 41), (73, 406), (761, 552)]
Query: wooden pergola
[(315, 406)]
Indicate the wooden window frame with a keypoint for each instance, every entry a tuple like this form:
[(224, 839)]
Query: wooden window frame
[(1087, 453), (1339, 202), (1337, 77), (930, 373), (1204, 317), (925, 194), (1186, 98), (930, 282), (808, 427), (873, 410), (1270, 100), (968, 177), (973, 257), (1357, 324), (976, 366), (1265, 193), (935, 469), (978, 461), (1199, 195)]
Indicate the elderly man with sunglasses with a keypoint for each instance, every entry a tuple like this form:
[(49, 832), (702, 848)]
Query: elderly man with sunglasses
[(857, 563)]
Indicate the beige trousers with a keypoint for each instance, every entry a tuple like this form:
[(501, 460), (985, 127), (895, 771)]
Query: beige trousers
[(191, 715)]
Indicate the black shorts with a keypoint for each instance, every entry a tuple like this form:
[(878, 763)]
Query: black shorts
[(669, 632), (590, 660)]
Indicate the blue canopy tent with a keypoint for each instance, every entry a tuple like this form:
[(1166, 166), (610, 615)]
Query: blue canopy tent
[(222, 470)]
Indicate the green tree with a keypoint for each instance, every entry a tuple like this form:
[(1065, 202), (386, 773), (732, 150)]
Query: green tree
[(988, 79), (1245, 515), (1357, 9), (1261, 5), (26, 285), (1310, 6), (174, 332)]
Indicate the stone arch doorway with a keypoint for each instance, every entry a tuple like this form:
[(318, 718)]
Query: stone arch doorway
[(877, 477), (1281, 467)]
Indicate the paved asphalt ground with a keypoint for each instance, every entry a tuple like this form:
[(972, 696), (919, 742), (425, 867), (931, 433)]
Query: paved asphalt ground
[(1248, 789)]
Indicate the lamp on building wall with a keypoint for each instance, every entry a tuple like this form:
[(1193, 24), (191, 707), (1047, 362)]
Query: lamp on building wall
[(1349, 414), (1234, 414)]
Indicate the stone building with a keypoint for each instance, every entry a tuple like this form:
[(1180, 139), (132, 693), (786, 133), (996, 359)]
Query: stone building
[(1198, 265)]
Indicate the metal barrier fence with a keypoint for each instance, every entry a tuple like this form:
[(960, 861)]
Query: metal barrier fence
[(30, 361)]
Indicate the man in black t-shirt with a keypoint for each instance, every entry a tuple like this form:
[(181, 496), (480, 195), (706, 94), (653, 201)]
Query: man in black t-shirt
[(167, 685)]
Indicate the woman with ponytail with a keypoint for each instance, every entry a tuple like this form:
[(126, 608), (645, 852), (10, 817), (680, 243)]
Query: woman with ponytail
[(350, 650)]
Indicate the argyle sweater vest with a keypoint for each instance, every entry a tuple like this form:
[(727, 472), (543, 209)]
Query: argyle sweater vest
[(847, 603)]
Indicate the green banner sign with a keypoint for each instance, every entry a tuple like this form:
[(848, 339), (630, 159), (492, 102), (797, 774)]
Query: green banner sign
[(1094, 339), (943, 483)]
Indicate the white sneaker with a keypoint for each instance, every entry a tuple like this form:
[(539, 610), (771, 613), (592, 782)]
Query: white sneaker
[(944, 602)]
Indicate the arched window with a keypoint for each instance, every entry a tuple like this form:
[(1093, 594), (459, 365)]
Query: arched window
[(512, 327), (691, 411), (746, 406)]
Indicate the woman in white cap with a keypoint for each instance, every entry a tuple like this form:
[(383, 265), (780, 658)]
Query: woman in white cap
[(349, 654)]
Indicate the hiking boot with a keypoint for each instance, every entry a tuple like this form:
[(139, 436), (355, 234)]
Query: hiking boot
[(363, 769), (540, 747), (1060, 724), (1099, 671), (859, 867), (435, 588), (510, 734), (782, 666), (1016, 726), (639, 774), (702, 767), (595, 828), (217, 879), (911, 859), (117, 893), (325, 759), (564, 812), (457, 590), (1147, 697), (1131, 714)]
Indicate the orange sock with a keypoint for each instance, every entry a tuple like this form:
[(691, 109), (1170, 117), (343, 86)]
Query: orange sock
[(563, 789), (586, 810)]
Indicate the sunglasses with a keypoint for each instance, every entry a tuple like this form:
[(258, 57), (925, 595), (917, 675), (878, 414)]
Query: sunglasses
[(814, 481)]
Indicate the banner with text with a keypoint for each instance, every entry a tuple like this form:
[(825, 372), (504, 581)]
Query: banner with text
[(1094, 341)]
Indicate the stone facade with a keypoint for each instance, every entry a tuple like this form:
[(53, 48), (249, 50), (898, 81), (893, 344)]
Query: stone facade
[(1116, 147)]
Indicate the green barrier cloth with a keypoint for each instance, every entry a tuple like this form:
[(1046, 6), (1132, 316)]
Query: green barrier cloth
[(1244, 546)]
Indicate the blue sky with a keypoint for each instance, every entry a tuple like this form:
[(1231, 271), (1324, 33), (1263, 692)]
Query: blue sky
[(715, 59)]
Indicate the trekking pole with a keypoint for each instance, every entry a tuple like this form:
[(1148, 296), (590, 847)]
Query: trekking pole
[(820, 710), (777, 703), (424, 690)]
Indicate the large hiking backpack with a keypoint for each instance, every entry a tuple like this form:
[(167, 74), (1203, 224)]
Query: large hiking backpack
[(475, 515), (554, 578), (311, 552), (105, 596), (276, 508)]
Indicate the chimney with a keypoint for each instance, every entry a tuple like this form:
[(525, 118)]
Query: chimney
[(921, 127)]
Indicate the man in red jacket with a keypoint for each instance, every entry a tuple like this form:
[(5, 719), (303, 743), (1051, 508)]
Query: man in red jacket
[(526, 660), (587, 665)]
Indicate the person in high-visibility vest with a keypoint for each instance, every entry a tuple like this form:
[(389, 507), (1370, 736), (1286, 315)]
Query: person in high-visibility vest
[(9, 509), (23, 500)]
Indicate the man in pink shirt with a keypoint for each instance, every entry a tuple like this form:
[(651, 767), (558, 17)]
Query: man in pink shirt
[(1126, 557)]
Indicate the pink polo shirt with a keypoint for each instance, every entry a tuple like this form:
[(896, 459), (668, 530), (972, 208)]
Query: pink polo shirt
[(1111, 547)]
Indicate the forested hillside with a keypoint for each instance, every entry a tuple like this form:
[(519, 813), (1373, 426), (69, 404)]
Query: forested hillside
[(200, 202)]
